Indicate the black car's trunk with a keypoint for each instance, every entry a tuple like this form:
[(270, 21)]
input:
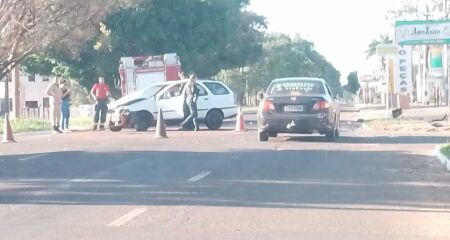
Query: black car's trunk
[(303, 104)]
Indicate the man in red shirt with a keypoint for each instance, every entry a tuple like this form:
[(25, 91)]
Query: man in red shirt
[(100, 92)]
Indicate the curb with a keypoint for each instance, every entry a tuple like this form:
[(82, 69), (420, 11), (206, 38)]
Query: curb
[(46, 132), (441, 157)]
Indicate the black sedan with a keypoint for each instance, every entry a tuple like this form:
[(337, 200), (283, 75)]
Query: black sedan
[(298, 105)]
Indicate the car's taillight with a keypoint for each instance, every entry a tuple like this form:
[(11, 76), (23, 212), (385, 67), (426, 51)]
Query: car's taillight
[(268, 106), (320, 105)]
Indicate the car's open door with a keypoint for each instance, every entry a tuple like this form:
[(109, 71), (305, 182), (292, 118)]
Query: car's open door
[(171, 101)]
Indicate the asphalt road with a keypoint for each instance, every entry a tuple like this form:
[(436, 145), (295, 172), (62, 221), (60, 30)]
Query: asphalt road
[(223, 185)]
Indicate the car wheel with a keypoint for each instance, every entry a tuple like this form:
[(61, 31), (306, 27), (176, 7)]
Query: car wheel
[(273, 134), (263, 136), (143, 121), (115, 128), (214, 120)]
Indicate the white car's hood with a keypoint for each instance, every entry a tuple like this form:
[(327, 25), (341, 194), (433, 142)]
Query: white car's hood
[(129, 98)]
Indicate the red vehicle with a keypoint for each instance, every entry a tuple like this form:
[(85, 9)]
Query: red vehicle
[(137, 73)]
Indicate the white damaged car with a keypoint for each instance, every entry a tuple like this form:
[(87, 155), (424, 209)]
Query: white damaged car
[(139, 110)]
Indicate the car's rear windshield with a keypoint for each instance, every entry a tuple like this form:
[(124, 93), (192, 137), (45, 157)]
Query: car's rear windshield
[(296, 87)]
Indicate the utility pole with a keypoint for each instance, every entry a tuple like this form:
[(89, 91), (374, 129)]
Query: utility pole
[(16, 91), (446, 70), (424, 66), (6, 99)]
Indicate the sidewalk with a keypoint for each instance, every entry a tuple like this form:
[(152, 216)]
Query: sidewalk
[(415, 112)]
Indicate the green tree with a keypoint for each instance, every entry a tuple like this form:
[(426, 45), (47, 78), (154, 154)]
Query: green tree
[(283, 56), (28, 26), (353, 83), (372, 49), (208, 35), (418, 9)]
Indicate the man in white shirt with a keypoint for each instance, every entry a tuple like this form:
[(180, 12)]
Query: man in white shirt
[(55, 94)]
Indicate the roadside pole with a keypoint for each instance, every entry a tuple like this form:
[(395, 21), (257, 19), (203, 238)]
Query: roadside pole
[(388, 74), (424, 66), (16, 91), (445, 64), (387, 96), (7, 110), (445, 59), (387, 51), (446, 70), (446, 74)]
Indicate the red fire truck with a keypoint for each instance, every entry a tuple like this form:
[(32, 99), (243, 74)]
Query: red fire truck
[(137, 73)]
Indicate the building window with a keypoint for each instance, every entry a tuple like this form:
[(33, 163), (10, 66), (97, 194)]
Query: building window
[(31, 104), (45, 79), (46, 102), (32, 78)]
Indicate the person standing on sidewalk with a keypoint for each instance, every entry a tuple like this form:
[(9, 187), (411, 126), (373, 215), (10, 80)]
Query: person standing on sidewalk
[(65, 106), (55, 95), (100, 92), (191, 94)]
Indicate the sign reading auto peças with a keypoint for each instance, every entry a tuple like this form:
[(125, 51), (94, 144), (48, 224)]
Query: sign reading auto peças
[(422, 32), (403, 70)]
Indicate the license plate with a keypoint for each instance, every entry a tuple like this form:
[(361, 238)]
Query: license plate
[(293, 108)]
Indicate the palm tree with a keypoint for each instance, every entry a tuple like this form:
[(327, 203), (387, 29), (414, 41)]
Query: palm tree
[(372, 50)]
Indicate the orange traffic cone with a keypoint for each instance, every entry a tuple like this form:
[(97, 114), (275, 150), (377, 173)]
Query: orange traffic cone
[(7, 131), (160, 126), (240, 122)]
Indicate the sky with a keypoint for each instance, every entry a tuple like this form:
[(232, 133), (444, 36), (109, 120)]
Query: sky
[(341, 30)]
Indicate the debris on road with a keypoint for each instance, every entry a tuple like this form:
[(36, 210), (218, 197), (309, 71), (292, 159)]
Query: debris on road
[(445, 118)]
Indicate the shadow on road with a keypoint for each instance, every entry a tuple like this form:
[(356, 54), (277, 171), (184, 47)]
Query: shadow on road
[(270, 179)]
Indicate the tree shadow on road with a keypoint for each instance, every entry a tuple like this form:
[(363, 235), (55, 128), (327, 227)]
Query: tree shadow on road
[(389, 139), (270, 179)]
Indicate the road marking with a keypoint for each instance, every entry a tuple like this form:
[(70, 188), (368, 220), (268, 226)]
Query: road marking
[(198, 177), (85, 180), (31, 157), (127, 217)]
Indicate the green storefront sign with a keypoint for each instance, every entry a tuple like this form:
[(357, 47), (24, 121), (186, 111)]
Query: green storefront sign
[(435, 32), (436, 57)]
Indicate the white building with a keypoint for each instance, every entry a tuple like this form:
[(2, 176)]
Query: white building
[(34, 102)]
